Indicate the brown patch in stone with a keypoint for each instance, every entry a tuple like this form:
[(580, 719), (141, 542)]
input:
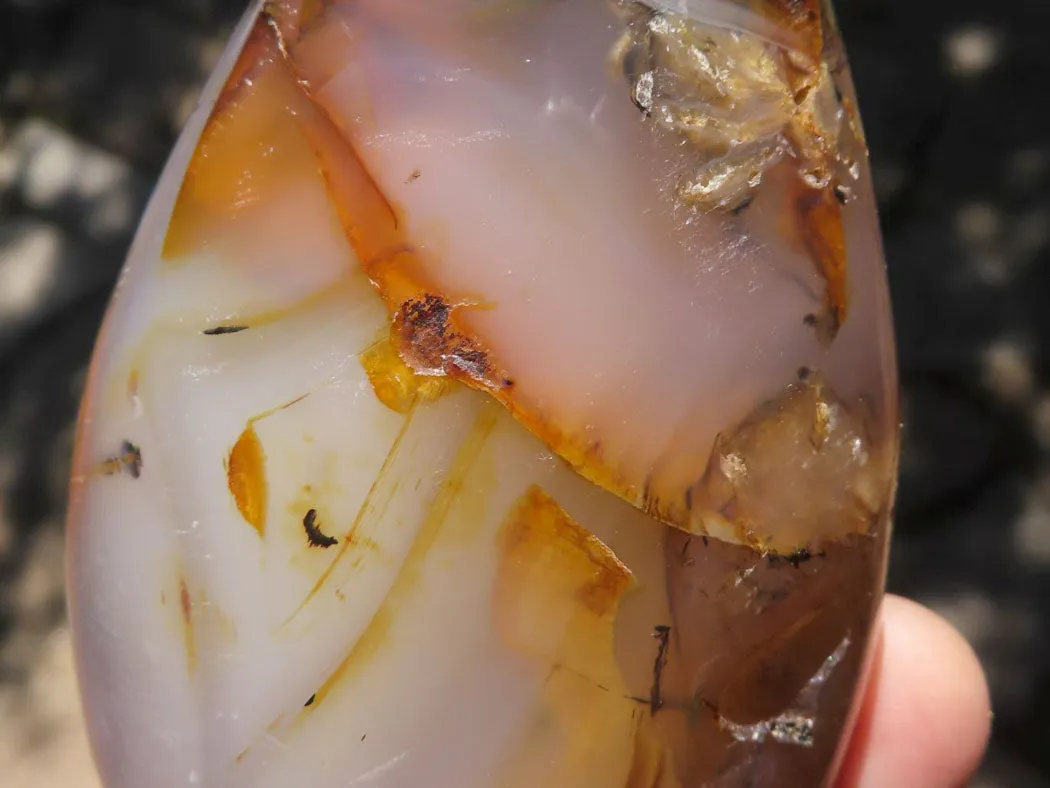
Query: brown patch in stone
[(768, 645), (427, 338)]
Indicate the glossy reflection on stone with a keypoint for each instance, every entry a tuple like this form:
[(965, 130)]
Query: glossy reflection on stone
[(497, 394)]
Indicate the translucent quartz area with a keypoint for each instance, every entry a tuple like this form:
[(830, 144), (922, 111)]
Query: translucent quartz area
[(496, 395)]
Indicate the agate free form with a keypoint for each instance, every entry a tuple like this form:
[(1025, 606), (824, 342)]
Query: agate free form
[(498, 394)]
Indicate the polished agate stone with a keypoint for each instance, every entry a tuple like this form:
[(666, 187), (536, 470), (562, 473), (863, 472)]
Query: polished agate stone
[(496, 395)]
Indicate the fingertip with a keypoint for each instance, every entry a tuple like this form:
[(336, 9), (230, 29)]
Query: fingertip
[(926, 715)]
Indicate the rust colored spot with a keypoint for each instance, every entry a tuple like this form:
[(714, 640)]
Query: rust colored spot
[(395, 383), (188, 627), (429, 341), (246, 479)]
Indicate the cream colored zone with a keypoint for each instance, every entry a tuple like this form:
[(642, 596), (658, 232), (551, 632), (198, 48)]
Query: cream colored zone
[(416, 519)]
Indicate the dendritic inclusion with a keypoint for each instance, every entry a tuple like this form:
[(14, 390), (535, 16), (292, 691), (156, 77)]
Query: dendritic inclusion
[(496, 394)]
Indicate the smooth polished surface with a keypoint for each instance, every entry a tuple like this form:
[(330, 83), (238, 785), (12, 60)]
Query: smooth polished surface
[(459, 392)]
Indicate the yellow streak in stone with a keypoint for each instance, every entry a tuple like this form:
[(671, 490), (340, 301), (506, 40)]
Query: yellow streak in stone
[(432, 527), (367, 506)]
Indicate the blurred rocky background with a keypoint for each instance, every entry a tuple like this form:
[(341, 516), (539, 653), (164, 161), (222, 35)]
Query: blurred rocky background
[(954, 95)]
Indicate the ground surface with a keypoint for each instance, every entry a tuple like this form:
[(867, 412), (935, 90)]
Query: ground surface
[(953, 94)]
